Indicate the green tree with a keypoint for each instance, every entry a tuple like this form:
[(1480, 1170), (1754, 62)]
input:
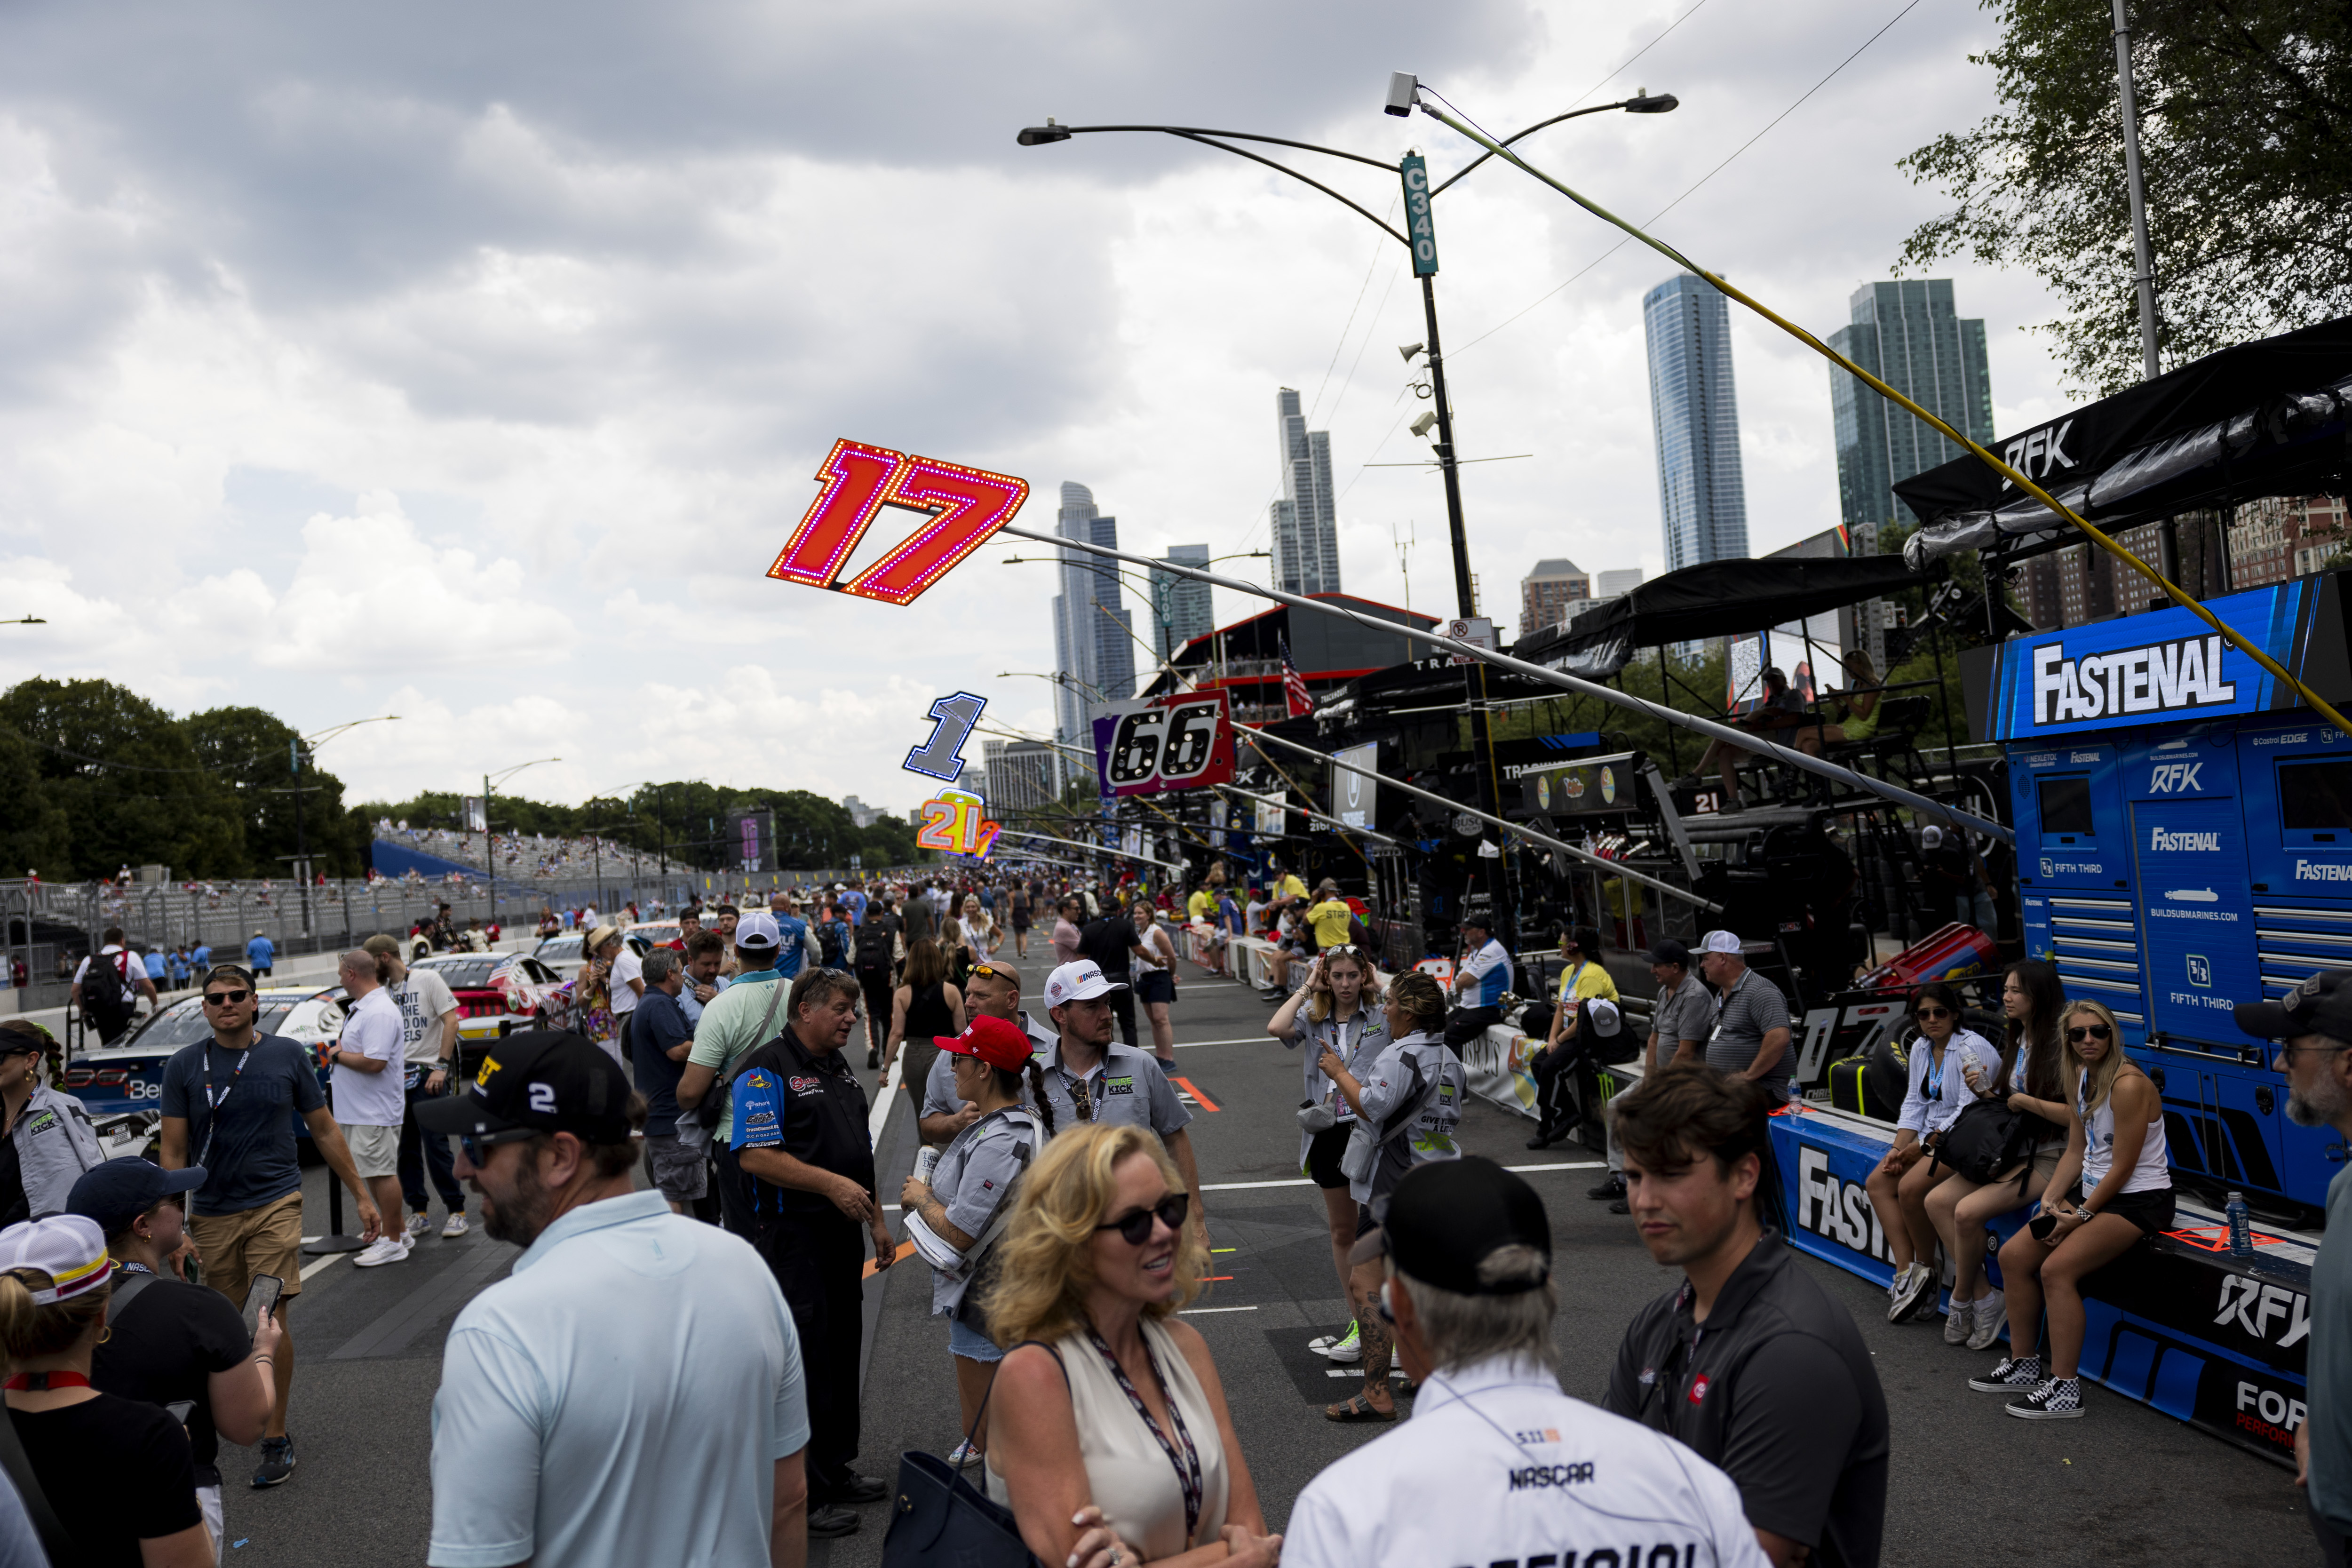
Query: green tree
[(253, 752), (2246, 146), (132, 787), (33, 833)]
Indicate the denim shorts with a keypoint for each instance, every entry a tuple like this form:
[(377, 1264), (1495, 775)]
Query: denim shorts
[(969, 1343)]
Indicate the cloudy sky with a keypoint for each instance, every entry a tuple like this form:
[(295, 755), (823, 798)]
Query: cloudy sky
[(471, 363)]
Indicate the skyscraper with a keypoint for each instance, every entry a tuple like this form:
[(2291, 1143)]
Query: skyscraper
[(1180, 605), (1909, 335), (1303, 523), (1546, 593), (1695, 412), (1092, 645)]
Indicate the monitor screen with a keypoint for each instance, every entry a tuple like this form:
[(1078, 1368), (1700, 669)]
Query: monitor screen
[(2315, 796), (2066, 804)]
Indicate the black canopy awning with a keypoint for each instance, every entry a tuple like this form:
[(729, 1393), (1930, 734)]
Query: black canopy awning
[(1716, 598), (2263, 418)]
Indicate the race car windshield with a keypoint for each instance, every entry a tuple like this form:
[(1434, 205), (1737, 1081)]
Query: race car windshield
[(465, 974), (183, 1024)]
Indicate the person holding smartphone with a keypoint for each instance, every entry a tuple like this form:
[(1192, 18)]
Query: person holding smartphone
[(1938, 1091), (2113, 1190), (170, 1342), (1338, 1010)]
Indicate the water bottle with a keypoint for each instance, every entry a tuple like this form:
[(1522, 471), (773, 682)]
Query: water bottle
[(2241, 1235)]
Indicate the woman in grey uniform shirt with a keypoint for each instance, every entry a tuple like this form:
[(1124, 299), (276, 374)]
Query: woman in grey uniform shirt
[(966, 1194), (1335, 1010)]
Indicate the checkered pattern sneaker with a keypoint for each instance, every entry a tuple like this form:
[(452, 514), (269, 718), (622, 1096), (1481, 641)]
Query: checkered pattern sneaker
[(2060, 1399), (2011, 1374)]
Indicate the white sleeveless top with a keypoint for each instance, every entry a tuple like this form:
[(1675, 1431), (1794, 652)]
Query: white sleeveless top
[(2149, 1174), (1129, 1476)]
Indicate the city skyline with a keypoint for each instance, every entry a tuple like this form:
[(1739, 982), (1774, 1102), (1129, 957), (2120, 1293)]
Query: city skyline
[(1910, 333), (1182, 608), (1694, 422), (1094, 648), (1304, 525)]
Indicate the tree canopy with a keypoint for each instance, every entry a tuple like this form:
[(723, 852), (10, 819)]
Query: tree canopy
[(2245, 111)]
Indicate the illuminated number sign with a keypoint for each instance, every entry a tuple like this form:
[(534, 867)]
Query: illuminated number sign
[(952, 720), (957, 824), (964, 505), (1180, 741), (1417, 226)]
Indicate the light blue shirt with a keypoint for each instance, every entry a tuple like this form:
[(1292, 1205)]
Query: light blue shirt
[(623, 1399), (261, 953)]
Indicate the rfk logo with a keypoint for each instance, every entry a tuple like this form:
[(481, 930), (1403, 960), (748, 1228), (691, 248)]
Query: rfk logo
[(2254, 1304), (2171, 778)]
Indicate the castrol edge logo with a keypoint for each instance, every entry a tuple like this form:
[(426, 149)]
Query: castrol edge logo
[(2174, 676)]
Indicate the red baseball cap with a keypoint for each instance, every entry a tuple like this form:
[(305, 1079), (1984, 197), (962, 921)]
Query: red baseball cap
[(999, 1042)]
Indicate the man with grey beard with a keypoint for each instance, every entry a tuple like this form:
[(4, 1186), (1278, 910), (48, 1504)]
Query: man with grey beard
[(2313, 1026), (579, 1419)]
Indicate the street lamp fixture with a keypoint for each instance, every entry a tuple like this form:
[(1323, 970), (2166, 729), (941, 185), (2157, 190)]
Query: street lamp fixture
[(1038, 135), (1662, 103)]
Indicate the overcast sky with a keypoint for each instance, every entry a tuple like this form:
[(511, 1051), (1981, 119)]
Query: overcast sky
[(471, 363)]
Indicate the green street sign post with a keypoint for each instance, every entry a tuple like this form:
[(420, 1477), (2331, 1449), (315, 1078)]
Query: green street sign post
[(1417, 216)]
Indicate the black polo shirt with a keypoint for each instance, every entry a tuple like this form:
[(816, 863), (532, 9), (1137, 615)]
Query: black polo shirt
[(1108, 942), (1776, 1389), (811, 1107)]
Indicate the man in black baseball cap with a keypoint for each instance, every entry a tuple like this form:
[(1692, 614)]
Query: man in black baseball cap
[(1496, 1456), (2313, 1024)]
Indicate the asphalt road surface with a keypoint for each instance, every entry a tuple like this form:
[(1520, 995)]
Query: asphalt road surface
[(2124, 1484)]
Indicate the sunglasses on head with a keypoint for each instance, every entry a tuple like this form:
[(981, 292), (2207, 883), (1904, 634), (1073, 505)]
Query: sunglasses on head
[(2089, 1032), (1135, 1227), (226, 998), (1933, 1012), (990, 970)]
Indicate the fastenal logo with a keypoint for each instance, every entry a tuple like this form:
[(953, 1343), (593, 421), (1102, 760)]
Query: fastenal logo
[(2160, 678), (2322, 872), (2179, 843)]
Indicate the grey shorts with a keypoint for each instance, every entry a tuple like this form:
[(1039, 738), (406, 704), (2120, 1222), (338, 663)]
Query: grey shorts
[(680, 1174)]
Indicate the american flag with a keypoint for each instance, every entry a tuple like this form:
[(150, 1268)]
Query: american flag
[(1293, 685)]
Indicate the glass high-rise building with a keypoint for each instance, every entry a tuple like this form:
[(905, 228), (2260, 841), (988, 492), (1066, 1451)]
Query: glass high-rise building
[(1180, 605), (1909, 335), (1694, 414), (1094, 648), (1303, 524)]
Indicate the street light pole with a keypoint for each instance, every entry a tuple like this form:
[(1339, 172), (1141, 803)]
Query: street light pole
[(489, 837)]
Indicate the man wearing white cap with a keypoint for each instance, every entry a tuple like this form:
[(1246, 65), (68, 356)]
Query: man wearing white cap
[(1751, 1018), (1090, 1078), (742, 1018)]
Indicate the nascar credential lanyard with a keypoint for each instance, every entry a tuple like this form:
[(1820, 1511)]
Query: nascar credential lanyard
[(212, 1103), (1188, 1467), (1935, 1073)]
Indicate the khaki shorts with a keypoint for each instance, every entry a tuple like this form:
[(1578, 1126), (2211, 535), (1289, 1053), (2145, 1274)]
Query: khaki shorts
[(375, 1151), (236, 1246)]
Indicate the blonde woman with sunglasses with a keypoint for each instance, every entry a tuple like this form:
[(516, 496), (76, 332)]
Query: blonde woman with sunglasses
[(2113, 1189)]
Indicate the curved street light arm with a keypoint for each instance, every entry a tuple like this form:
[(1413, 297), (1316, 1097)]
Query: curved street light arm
[(1240, 136), (1539, 125)]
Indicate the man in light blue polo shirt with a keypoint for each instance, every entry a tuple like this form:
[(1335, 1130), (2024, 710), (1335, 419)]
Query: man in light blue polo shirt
[(634, 1392)]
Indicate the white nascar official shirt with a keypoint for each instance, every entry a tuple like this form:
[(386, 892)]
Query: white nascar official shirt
[(1498, 1469)]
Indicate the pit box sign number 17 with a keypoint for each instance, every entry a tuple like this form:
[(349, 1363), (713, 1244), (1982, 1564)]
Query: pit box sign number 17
[(964, 506)]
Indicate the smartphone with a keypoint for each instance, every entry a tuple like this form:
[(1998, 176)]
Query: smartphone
[(261, 1298), (2042, 1225)]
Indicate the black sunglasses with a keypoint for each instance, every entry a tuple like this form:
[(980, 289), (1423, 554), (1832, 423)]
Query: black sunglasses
[(1134, 1227), (2090, 1032), (226, 998), (1933, 1012), (475, 1144)]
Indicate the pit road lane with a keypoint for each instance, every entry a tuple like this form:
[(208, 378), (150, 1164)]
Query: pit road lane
[(2126, 1484)]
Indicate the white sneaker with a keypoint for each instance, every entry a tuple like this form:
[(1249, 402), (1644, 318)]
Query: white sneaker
[(418, 1224), (1992, 1313), (1959, 1321), (963, 1455), (455, 1227), (385, 1249)]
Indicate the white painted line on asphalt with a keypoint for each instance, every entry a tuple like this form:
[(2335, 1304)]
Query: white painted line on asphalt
[(1203, 1311), (1247, 1040), (1394, 1371), (1570, 1165), (310, 1268), (1303, 1181), (879, 1117)]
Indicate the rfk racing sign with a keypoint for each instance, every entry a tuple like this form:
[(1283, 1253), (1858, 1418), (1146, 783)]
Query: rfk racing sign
[(2177, 676)]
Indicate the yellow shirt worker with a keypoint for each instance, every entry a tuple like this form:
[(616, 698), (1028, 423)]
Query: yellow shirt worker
[(1330, 917)]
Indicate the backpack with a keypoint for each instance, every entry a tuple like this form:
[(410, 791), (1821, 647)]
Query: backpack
[(108, 1008), (833, 943), (875, 949)]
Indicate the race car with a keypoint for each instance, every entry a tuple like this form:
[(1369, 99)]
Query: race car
[(129, 1075), (498, 993)]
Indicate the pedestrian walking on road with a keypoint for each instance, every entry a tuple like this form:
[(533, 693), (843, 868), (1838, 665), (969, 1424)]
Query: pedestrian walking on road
[(370, 1104), (634, 1392), (108, 987), (261, 955), (1338, 1010), (225, 1105), (428, 1033), (921, 1011), (1154, 961), (1495, 1458), (801, 1157)]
